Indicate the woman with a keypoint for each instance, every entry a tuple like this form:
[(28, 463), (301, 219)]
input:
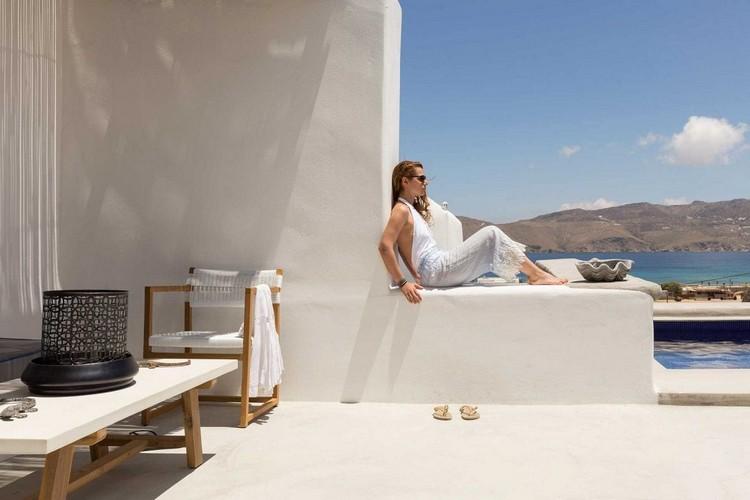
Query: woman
[(489, 249)]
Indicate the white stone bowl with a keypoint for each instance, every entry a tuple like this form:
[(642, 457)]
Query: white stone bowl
[(604, 270)]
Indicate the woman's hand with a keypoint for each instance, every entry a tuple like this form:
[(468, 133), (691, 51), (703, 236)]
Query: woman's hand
[(410, 292)]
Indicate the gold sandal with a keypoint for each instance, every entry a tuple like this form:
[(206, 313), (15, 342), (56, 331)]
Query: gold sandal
[(441, 413), (469, 412)]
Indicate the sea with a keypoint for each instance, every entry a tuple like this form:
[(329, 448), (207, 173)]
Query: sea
[(682, 267)]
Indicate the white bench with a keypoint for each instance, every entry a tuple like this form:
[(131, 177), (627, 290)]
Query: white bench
[(512, 344), (61, 423)]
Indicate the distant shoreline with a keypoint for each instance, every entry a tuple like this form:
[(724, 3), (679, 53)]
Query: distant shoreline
[(681, 267)]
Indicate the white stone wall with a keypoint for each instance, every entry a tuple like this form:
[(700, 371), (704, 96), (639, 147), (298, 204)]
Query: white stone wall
[(233, 135), (236, 134)]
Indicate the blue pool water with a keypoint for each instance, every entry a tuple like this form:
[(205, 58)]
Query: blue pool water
[(689, 354), (702, 344)]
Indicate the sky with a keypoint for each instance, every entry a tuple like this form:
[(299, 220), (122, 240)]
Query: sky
[(520, 108)]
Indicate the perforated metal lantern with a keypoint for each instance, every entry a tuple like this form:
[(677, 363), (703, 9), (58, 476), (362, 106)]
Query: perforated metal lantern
[(84, 343), (84, 326)]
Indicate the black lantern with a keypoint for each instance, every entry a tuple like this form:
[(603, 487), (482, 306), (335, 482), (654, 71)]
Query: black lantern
[(84, 337)]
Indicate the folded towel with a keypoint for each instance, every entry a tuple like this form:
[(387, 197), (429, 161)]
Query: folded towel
[(266, 362)]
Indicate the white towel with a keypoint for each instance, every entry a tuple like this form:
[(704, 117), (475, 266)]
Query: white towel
[(266, 363)]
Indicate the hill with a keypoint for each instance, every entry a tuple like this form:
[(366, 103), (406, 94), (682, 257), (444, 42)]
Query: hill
[(636, 227)]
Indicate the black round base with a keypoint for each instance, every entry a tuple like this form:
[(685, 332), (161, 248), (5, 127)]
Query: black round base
[(47, 379)]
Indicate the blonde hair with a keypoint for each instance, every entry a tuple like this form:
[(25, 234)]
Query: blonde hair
[(407, 168)]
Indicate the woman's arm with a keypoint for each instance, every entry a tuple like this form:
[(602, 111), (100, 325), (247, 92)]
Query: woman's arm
[(387, 246), (413, 272)]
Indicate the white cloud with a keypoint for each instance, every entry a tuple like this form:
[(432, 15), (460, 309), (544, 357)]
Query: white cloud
[(650, 138), (705, 141), (675, 201), (568, 151), (589, 205)]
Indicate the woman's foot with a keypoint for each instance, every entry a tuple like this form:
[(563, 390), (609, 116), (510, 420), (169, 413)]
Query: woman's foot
[(538, 277), (542, 278)]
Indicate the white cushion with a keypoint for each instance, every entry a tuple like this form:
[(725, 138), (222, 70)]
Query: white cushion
[(446, 228), (566, 268), (203, 340)]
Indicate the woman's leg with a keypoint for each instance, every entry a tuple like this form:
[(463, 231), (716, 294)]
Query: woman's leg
[(487, 250)]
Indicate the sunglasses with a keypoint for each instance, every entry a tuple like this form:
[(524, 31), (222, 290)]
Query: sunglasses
[(420, 178)]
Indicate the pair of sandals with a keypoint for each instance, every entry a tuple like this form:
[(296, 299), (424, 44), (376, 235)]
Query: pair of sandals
[(467, 412)]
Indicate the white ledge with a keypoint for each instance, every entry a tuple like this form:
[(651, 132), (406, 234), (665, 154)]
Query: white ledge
[(512, 344)]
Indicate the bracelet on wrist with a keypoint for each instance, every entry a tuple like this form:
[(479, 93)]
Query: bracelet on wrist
[(402, 282)]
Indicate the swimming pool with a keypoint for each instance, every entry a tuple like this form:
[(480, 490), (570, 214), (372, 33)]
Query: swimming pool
[(688, 354), (702, 344)]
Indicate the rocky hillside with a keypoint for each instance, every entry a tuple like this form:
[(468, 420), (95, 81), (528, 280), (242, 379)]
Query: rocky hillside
[(637, 227)]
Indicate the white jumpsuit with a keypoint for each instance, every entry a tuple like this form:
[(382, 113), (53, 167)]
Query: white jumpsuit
[(487, 250)]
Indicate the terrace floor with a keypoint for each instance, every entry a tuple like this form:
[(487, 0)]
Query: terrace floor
[(371, 450)]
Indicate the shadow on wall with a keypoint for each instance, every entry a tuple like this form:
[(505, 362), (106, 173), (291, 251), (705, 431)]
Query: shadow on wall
[(182, 129), (382, 315), (28, 167)]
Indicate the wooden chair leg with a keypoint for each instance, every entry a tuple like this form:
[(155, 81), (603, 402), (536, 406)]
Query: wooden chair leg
[(56, 476), (246, 355), (245, 394)]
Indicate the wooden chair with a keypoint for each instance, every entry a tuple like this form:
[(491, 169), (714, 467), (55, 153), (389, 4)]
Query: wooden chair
[(214, 288)]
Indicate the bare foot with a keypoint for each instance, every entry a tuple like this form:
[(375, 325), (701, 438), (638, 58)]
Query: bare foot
[(538, 277), (543, 278)]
